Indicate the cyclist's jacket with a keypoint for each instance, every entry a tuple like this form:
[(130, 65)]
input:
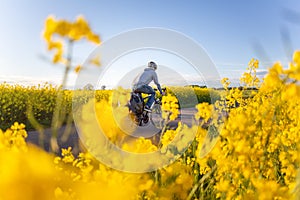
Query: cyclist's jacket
[(146, 77)]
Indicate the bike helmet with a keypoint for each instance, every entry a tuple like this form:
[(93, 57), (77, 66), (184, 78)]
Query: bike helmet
[(152, 65)]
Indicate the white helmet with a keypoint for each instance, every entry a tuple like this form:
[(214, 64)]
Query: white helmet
[(152, 65)]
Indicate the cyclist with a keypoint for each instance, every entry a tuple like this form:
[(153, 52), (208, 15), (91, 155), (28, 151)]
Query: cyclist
[(143, 81)]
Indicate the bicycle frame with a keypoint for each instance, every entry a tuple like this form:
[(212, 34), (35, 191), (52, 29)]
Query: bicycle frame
[(156, 100)]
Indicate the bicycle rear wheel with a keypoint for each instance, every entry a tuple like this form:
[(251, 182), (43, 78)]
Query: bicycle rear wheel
[(156, 117)]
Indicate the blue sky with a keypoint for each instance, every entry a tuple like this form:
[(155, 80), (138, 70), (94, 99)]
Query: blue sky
[(232, 33)]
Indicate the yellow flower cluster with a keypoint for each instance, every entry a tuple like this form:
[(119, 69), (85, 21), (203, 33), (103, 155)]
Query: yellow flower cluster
[(141, 145), (258, 150), (81, 177), (93, 180), (249, 78), (72, 31), (13, 137), (26, 171), (170, 107), (205, 111)]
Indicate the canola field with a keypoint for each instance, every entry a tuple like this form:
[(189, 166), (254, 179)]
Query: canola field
[(251, 152)]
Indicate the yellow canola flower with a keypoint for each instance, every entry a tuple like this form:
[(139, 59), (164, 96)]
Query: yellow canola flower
[(67, 155), (93, 38), (13, 138), (80, 28), (19, 130), (296, 57), (63, 27), (70, 31), (114, 121), (147, 186), (225, 82), (140, 145), (29, 175), (78, 68), (50, 29), (273, 188), (222, 185), (291, 91), (55, 45), (294, 67), (170, 107), (205, 111), (58, 56), (249, 78), (168, 137)]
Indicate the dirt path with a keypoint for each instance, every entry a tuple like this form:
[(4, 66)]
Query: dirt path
[(68, 135)]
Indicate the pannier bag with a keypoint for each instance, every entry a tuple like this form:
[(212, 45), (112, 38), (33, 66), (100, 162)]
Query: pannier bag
[(136, 103)]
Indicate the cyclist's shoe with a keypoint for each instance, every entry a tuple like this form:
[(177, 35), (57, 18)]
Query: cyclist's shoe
[(147, 109), (157, 101)]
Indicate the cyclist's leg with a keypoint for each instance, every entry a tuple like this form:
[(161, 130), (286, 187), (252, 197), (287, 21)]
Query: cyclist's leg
[(147, 90)]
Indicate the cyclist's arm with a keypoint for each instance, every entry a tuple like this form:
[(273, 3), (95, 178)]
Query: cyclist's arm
[(155, 79)]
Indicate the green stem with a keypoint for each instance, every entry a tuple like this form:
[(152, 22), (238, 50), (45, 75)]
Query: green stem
[(68, 64), (58, 114), (36, 125), (196, 186)]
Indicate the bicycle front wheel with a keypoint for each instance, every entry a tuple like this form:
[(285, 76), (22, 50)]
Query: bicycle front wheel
[(156, 117)]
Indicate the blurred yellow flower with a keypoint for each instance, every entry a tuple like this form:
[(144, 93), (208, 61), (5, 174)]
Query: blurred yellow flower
[(70, 31), (78, 68)]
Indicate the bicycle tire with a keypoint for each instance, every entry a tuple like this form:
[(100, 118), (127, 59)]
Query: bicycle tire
[(156, 116)]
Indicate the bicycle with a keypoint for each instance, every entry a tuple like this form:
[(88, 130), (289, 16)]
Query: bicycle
[(143, 117)]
